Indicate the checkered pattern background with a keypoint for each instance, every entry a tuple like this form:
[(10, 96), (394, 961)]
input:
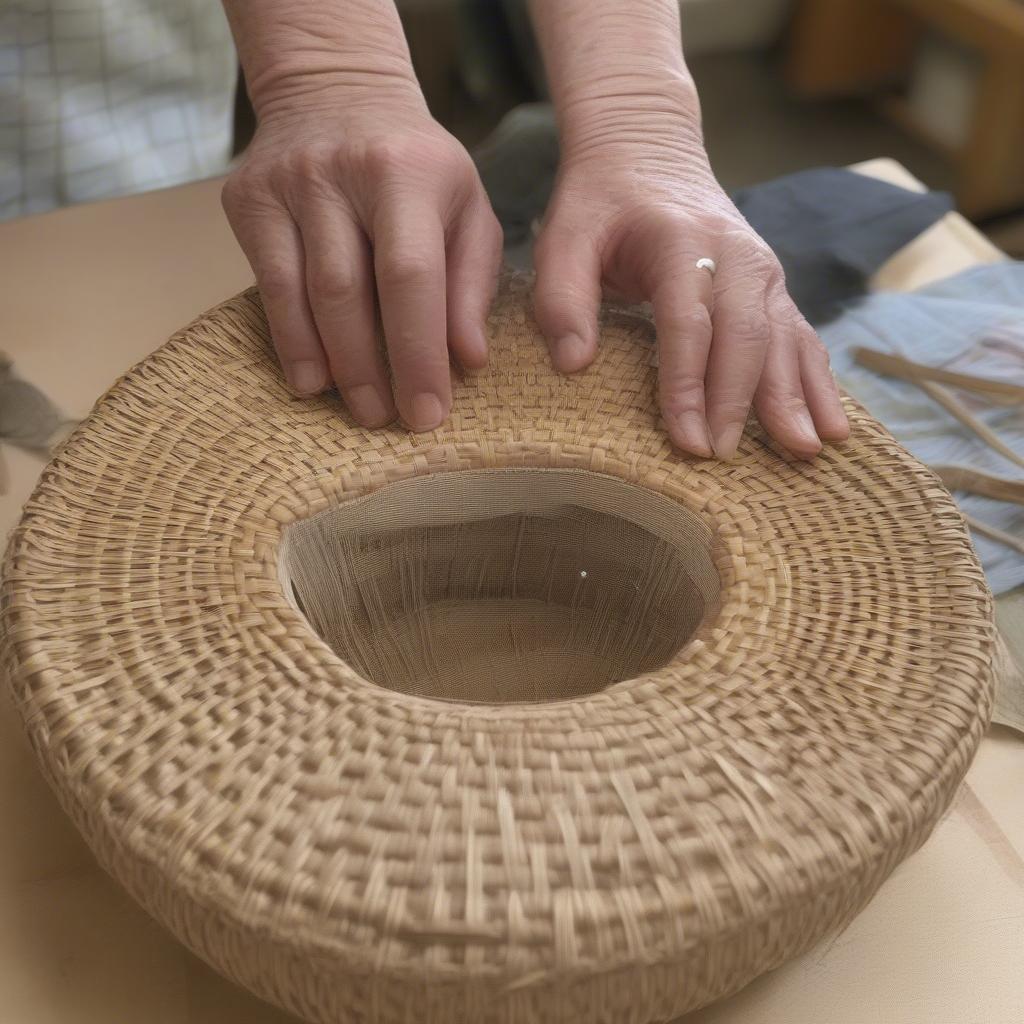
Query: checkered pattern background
[(105, 97)]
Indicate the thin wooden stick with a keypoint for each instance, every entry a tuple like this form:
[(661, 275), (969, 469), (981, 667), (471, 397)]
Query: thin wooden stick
[(999, 392), (956, 408), (964, 478), (996, 534)]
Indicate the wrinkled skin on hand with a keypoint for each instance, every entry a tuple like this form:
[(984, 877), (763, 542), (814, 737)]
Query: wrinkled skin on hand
[(636, 205), (355, 203), (341, 207)]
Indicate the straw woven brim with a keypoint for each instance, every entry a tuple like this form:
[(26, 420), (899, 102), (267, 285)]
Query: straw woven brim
[(355, 851)]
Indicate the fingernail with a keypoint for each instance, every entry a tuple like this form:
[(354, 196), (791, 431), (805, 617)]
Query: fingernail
[(728, 440), (307, 376), (570, 353), (839, 430), (805, 425), (693, 433), (426, 411), (475, 356), (810, 443), (369, 406)]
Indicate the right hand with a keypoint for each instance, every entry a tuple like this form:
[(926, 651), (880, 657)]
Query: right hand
[(335, 196)]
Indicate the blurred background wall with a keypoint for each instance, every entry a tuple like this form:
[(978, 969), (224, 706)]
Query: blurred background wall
[(789, 84), (785, 84)]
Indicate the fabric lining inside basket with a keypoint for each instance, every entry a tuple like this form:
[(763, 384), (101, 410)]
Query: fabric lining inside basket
[(503, 585)]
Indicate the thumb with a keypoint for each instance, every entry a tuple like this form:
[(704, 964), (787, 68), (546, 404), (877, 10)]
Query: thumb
[(567, 296)]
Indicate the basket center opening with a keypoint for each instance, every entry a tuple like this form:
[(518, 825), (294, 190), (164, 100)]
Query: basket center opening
[(503, 585)]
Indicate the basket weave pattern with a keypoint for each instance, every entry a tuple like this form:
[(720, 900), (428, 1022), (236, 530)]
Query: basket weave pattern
[(352, 852)]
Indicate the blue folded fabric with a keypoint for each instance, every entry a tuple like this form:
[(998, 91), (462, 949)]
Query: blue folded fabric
[(970, 323)]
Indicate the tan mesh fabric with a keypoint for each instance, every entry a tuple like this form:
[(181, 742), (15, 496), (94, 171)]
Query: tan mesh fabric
[(341, 710)]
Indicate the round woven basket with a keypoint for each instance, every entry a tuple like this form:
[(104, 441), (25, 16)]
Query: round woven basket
[(529, 719)]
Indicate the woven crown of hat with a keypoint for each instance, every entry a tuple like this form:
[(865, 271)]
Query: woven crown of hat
[(529, 719)]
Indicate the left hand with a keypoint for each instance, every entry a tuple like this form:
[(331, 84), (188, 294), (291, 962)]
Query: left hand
[(634, 209)]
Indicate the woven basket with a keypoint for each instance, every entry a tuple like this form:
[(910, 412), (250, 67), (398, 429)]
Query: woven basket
[(530, 719)]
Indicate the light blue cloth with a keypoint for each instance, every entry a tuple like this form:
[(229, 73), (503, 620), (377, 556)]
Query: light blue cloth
[(971, 323)]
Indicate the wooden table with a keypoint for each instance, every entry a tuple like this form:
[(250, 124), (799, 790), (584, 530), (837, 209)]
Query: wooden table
[(89, 290)]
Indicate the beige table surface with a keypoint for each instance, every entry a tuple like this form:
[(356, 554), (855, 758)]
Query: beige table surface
[(87, 291)]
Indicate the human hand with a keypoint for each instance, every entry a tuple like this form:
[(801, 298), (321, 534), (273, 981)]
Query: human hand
[(344, 190), (635, 206)]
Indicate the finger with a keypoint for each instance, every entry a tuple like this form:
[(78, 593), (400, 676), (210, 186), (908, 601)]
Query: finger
[(821, 390), (339, 282), (409, 261), (739, 342), (780, 403), (474, 258), (271, 242), (567, 296), (682, 300)]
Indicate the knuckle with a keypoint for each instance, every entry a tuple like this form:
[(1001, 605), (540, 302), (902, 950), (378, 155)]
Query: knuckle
[(787, 402), (741, 240), (747, 326), (780, 396), (303, 164), (245, 194), (276, 278), (404, 268), (294, 176), (684, 393), (774, 275), (731, 229), (692, 322), (769, 268), (814, 349), (332, 280), (732, 408), (785, 315), (382, 157), (387, 158), (750, 263), (280, 178)]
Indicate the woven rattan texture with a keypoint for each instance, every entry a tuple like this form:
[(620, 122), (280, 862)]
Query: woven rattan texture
[(355, 853)]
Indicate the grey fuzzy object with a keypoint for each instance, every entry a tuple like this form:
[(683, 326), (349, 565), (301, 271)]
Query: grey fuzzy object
[(518, 162), (28, 419)]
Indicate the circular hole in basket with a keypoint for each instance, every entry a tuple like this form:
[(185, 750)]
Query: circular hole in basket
[(504, 585)]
